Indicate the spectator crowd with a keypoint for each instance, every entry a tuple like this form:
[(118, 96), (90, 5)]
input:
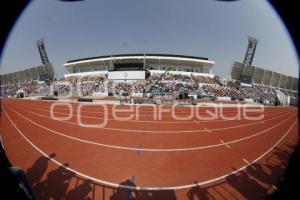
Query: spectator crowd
[(159, 82), (29, 88)]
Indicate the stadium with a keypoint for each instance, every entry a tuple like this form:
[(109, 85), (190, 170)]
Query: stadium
[(141, 71), (106, 120), (138, 102)]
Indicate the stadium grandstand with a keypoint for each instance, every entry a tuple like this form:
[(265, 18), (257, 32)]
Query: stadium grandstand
[(155, 76), (267, 81), (39, 73), (158, 74), (34, 80)]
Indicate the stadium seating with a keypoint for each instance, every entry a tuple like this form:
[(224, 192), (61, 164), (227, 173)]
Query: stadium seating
[(162, 83)]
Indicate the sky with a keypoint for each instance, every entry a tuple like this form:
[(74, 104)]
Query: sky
[(206, 28)]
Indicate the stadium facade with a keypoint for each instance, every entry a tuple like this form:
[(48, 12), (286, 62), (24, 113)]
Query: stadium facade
[(249, 74), (39, 73), (137, 62)]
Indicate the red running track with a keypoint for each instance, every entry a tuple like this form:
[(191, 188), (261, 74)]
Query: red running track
[(147, 158)]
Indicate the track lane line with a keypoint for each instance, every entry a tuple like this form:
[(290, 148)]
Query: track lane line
[(143, 106), (116, 185), (130, 105), (148, 149), (156, 131), (146, 121)]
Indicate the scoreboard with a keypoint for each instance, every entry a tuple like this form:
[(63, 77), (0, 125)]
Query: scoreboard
[(246, 79), (127, 71), (126, 75)]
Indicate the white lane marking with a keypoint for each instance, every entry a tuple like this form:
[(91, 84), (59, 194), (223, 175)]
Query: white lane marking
[(111, 184), (147, 121), (136, 105), (1, 127), (148, 149), (158, 131), (152, 121), (145, 105), (2, 144)]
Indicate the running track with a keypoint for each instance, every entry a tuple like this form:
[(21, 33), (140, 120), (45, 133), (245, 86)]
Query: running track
[(153, 158)]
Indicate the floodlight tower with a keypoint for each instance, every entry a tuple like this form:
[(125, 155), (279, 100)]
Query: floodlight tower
[(42, 50), (252, 43)]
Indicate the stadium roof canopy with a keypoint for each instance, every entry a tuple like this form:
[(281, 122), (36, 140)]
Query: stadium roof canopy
[(150, 59), (154, 56), (255, 75), (42, 73)]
